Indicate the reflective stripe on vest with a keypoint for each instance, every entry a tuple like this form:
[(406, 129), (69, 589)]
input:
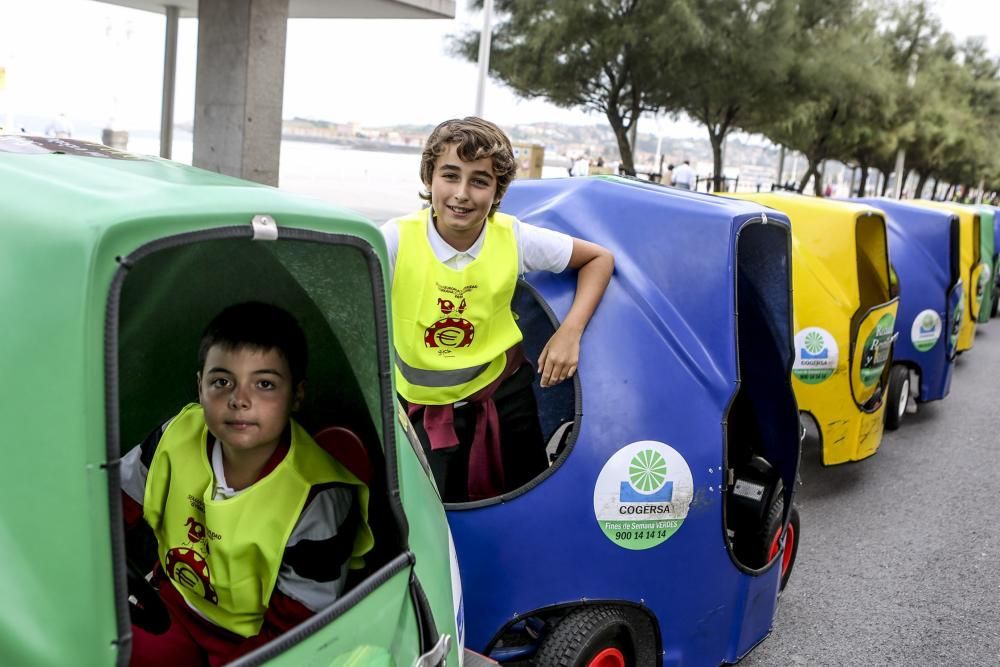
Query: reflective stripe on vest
[(223, 556), (452, 328)]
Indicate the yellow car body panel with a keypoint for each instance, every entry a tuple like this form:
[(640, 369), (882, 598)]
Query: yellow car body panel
[(970, 263), (842, 312)]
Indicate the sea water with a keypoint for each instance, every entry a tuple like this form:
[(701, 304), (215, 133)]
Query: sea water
[(378, 185)]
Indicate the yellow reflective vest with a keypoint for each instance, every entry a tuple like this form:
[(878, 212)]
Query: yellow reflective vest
[(223, 556), (452, 328)]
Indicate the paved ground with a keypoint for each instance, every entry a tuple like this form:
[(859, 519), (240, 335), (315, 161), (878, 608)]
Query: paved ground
[(900, 555)]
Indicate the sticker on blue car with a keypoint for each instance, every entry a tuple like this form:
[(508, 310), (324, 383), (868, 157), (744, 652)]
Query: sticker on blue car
[(642, 495)]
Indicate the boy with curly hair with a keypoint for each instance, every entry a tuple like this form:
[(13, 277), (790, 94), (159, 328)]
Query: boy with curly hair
[(459, 363)]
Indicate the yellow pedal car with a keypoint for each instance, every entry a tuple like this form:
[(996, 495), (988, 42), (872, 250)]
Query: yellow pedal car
[(844, 319), (974, 270)]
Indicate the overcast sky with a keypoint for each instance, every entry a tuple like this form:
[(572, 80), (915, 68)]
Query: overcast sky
[(95, 61)]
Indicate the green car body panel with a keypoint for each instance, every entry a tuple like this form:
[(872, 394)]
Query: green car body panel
[(68, 219), (986, 233)]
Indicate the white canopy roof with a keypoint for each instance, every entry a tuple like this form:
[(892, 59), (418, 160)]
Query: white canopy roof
[(323, 9)]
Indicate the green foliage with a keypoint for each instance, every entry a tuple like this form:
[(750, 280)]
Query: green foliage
[(847, 80), (737, 69), (612, 56), (840, 95)]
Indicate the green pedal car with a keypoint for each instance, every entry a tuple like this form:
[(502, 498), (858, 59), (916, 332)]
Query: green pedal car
[(111, 267)]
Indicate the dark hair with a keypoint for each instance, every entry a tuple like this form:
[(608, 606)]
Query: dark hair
[(258, 326), (476, 139)]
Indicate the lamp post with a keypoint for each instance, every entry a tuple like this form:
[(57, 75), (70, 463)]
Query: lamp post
[(484, 55), (911, 80)]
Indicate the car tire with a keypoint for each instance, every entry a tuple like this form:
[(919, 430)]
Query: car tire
[(899, 394), (773, 530), (597, 636), (996, 302)]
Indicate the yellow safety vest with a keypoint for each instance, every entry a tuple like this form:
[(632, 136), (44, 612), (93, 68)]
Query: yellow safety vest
[(223, 556), (452, 328)]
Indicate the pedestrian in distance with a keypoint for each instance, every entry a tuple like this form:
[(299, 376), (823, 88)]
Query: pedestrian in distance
[(683, 176)]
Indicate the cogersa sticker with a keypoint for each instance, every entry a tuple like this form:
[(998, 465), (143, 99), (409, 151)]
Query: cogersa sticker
[(643, 494)]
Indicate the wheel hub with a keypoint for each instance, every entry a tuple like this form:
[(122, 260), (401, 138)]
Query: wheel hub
[(904, 397), (786, 555), (609, 657)]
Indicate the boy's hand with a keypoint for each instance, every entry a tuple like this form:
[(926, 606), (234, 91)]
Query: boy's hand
[(560, 356)]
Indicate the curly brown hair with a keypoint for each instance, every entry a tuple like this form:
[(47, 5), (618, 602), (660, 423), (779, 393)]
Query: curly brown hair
[(476, 139)]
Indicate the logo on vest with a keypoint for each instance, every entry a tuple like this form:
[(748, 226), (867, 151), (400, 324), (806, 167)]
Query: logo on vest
[(452, 330), (188, 567)]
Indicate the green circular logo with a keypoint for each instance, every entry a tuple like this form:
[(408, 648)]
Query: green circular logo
[(926, 330), (875, 351), (984, 279), (647, 471), (642, 494), (813, 342), (816, 355)]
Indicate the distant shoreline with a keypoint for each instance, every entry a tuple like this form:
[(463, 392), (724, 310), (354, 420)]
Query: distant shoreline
[(356, 144)]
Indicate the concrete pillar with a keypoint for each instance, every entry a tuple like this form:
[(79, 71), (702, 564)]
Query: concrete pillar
[(240, 83), (169, 83)]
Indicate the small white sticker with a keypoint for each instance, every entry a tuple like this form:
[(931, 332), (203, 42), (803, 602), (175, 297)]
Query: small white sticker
[(926, 330)]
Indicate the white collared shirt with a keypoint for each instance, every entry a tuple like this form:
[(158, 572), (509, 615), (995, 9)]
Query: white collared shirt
[(222, 489), (538, 249)]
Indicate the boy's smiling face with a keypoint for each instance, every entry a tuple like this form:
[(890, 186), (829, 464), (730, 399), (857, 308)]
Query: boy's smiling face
[(248, 396), (462, 194)]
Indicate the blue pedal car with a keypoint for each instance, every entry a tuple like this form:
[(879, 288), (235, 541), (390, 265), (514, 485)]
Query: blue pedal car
[(924, 250), (664, 527)]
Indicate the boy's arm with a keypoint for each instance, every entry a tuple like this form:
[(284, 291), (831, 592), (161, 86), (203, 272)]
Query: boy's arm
[(561, 354)]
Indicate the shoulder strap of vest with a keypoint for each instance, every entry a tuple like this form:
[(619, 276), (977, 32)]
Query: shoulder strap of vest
[(503, 219), (412, 218)]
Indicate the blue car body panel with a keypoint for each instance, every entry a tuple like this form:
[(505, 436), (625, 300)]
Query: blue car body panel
[(920, 250), (659, 363)]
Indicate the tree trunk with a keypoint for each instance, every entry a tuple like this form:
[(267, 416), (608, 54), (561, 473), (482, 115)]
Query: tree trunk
[(818, 181), (863, 186), (812, 168), (906, 177), (621, 136), (948, 192), (937, 182), (885, 185), (716, 140), (781, 165), (918, 192)]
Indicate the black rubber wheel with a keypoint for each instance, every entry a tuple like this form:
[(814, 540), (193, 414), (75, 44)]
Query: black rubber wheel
[(589, 637), (771, 538), (899, 394), (996, 299)]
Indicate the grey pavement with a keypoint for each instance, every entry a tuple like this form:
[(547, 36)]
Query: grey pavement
[(899, 562)]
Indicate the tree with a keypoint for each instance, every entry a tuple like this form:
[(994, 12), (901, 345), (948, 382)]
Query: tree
[(957, 107), (727, 78), (836, 98), (616, 57)]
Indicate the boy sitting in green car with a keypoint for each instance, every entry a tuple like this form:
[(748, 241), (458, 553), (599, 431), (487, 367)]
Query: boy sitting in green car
[(256, 526)]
